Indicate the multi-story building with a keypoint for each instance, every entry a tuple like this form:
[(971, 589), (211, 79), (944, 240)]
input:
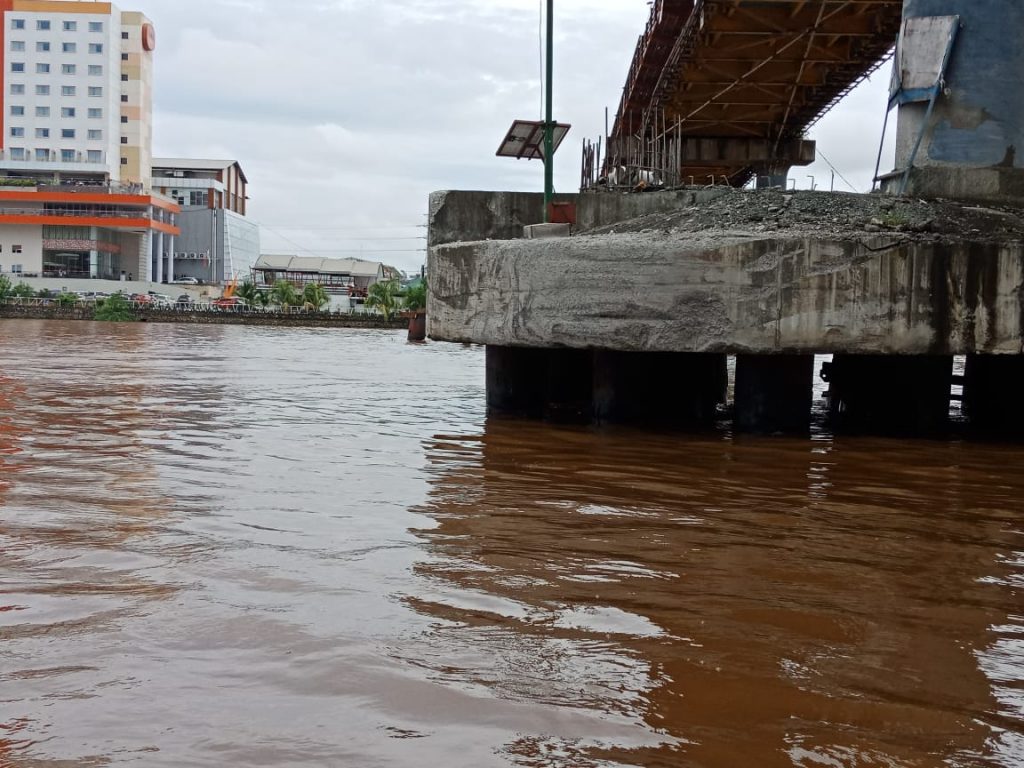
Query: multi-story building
[(217, 242), (76, 142)]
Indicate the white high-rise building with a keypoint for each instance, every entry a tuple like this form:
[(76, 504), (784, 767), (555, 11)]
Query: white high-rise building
[(76, 143)]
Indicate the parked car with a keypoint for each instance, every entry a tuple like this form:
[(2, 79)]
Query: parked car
[(140, 298), (187, 281), (161, 299), (184, 299)]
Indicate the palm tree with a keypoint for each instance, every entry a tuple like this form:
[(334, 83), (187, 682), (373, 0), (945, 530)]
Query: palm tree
[(253, 295), (284, 294), (416, 297), (382, 297), (315, 296)]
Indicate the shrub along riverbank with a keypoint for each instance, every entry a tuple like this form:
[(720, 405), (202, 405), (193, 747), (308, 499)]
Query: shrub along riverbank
[(283, 306), (54, 310)]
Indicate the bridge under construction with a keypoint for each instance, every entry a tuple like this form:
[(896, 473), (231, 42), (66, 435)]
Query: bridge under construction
[(720, 91)]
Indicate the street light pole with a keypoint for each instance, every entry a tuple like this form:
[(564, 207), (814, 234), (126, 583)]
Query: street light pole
[(549, 123)]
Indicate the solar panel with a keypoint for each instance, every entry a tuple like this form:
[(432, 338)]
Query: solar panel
[(525, 139)]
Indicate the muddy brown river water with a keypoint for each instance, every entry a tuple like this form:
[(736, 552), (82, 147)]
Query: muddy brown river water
[(232, 546)]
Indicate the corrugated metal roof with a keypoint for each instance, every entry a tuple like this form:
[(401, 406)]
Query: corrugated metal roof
[(186, 164), (315, 264)]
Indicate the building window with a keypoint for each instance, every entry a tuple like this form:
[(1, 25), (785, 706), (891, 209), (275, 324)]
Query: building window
[(42, 155), (95, 69), (124, 161), (16, 249), (95, 90), (124, 98), (17, 153), (95, 113), (67, 111), (42, 90), (95, 47), (69, 48), (17, 23), (124, 118), (17, 45), (16, 268), (17, 66), (18, 133), (124, 78), (124, 36), (95, 26), (17, 111), (67, 90), (42, 133), (42, 47), (95, 156), (67, 133), (43, 25), (95, 135), (67, 155), (42, 111), (42, 69), (17, 89), (124, 57), (70, 26), (124, 139), (68, 69)]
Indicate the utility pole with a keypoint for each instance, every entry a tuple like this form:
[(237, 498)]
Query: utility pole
[(549, 123)]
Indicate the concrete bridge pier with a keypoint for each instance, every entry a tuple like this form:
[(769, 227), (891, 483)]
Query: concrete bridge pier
[(773, 393), (553, 384), (969, 146), (993, 387), (568, 391), (666, 389), (890, 394), (516, 381), (661, 389)]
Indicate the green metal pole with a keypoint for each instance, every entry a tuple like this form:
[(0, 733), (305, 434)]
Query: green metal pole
[(549, 125)]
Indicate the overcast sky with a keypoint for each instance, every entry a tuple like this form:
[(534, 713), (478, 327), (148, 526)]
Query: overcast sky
[(346, 114)]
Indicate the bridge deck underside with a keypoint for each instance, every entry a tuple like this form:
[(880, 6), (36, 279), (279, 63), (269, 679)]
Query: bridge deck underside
[(761, 70)]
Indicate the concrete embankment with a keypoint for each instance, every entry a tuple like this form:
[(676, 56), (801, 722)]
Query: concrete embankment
[(198, 317)]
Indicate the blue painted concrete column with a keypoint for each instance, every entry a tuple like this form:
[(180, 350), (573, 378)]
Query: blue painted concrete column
[(974, 142)]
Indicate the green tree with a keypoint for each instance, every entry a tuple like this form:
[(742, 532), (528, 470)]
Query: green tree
[(252, 294), (383, 296), (23, 291), (416, 296), (67, 300), (315, 296), (44, 293), (114, 309), (284, 294), (5, 288)]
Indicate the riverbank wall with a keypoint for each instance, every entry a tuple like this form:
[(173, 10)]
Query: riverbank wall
[(200, 317)]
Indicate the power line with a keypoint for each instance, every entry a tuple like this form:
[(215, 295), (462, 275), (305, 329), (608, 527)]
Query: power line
[(366, 239), (288, 240), (375, 250), (381, 227), (829, 164)]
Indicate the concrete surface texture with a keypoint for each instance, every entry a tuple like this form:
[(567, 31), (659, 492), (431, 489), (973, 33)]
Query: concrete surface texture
[(462, 216), (755, 272)]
